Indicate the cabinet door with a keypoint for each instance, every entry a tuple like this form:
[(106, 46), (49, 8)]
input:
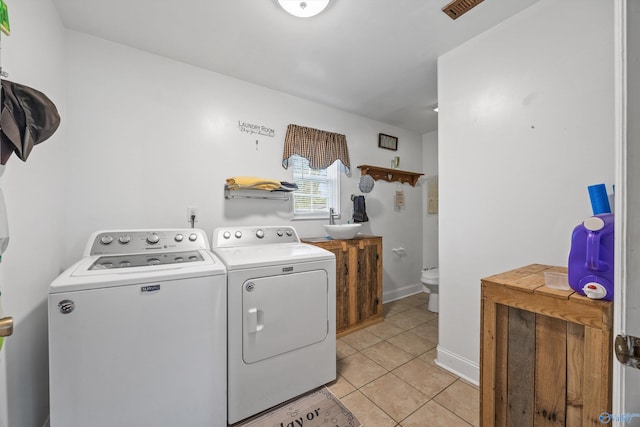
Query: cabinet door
[(342, 288), (367, 282)]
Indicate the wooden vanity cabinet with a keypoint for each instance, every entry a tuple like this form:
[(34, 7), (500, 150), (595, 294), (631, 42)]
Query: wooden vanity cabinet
[(358, 280)]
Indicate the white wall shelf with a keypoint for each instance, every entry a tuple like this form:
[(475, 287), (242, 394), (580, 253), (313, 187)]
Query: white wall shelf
[(247, 193)]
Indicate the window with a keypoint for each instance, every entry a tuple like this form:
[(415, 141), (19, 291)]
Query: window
[(318, 189)]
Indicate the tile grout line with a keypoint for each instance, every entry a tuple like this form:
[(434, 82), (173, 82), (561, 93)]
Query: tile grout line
[(359, 389), (397, 309)]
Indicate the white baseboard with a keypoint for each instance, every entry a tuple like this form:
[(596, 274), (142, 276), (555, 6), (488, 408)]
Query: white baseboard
[(402, 292), (458, 365)]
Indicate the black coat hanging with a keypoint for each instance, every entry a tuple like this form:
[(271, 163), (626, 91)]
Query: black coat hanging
[(28, 118)]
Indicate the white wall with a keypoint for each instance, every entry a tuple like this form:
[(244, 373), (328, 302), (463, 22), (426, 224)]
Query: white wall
[(34, 194), (525, 125), (149, 137), (429, 221)]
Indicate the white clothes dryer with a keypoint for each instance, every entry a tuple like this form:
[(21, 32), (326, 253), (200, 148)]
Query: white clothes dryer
[(137, 333), (281, 316)]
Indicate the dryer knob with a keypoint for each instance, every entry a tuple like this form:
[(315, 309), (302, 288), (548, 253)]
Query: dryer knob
[(153, 238), (179, 237), (238, 234), (193, 237), (226, 234), (124, 239), (106, 239), (259, 234)]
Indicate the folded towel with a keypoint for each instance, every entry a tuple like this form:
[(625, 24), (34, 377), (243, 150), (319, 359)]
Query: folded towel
[(359, 209), (238, 182)]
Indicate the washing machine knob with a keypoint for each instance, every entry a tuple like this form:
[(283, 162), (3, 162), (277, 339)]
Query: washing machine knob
[(289, 233), (124, 239), (179, 237), (238, 234), (226, 234), (279, 233), (153, 238), (193, 237), (106, 239), (259, 234)]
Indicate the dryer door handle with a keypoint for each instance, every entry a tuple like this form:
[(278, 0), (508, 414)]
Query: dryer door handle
[(255, 320)]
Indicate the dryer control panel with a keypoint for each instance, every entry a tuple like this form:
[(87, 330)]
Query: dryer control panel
[(120, 242), (225, 237)]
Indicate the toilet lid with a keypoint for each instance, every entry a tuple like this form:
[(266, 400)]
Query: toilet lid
[(434, 273)]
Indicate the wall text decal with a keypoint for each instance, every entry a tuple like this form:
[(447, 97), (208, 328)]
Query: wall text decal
[(251, 128)]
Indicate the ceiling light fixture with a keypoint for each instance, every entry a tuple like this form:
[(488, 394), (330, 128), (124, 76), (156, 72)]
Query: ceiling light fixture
[(304, 8)]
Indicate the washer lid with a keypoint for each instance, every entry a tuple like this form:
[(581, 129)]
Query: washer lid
[(114, 262), (241, 257), (80, 276), (144, 264)]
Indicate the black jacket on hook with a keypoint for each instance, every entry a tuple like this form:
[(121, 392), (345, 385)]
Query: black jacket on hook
[(28, 118)]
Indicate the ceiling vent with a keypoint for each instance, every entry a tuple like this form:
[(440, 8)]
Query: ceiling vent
[(457, 8)]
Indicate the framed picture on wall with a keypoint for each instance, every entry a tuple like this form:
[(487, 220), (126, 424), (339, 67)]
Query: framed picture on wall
[(387, 141)]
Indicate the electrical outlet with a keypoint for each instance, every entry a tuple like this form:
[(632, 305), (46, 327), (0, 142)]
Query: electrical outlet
[(192, 212)]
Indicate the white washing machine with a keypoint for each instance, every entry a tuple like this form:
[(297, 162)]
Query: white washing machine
[(281, 316), (137, 333)]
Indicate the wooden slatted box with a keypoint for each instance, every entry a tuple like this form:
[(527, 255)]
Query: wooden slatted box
[(545, 356)]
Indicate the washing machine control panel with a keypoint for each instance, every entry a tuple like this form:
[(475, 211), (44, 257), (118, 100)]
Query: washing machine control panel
[(119, 242), (250, 236)]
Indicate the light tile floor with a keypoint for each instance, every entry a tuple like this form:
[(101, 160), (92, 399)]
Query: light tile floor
[(387, 375)]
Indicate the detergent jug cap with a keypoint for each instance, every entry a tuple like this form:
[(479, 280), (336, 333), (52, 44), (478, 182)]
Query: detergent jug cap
[(593, 224)]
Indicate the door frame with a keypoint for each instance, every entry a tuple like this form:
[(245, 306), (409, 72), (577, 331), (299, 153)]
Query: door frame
[(620, 206)]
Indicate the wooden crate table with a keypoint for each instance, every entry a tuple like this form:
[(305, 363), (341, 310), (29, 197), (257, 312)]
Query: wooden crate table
[(545, 354)]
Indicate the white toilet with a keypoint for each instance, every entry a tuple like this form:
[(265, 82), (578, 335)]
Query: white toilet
[(431, 280)]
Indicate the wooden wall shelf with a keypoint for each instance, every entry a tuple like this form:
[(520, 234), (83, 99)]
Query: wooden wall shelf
[(390, 175)]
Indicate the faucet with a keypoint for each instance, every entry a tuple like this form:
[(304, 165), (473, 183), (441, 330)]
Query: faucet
[(332, 216)]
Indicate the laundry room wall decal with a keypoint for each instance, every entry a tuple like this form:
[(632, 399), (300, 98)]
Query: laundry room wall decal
[(252, 128)]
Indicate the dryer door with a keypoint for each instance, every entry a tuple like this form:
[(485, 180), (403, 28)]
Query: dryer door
[(283, 313)]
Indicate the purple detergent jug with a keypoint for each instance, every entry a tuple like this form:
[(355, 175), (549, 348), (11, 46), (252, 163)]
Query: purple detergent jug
[(591, 257)]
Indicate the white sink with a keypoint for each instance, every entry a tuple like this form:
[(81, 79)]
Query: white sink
[(342, 231)]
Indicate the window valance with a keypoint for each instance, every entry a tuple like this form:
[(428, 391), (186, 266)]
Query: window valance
[(320, 147)]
